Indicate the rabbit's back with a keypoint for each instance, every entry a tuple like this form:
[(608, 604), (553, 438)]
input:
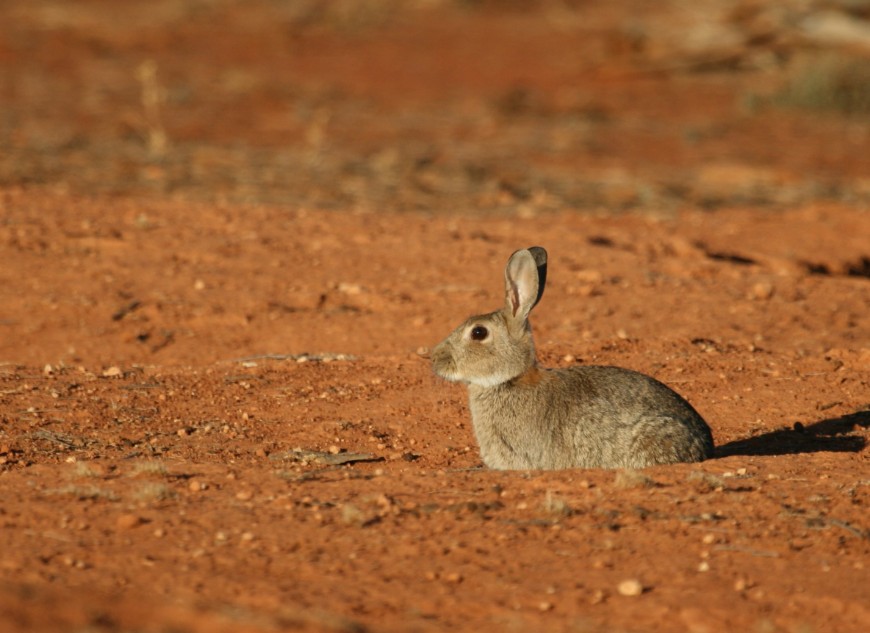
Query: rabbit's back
[(646, 421), (588, 416)]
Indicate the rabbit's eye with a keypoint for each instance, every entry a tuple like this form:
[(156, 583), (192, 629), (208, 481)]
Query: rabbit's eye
[(478, 333)]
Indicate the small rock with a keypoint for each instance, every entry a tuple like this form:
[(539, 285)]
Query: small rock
[(112, 372), (761, 291), (758, 594), (350, 288), (630, 587), (589, 276), (128, 521), (597, 597)]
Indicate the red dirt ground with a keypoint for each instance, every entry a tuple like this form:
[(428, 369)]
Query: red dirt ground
[(231, 231)]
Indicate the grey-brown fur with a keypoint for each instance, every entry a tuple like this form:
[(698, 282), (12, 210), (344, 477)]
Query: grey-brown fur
[(529, 417)]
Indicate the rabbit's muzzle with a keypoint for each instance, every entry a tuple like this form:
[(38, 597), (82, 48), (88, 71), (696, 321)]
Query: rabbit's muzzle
[(443, 362)]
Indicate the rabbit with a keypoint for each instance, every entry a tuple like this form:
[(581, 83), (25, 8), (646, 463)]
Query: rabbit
[(527, 417)]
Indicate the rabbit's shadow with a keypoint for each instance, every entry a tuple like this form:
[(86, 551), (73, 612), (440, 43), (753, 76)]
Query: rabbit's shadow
[(831, 435)]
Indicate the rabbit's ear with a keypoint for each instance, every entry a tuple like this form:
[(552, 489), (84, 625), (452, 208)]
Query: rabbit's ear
[(524, 277)]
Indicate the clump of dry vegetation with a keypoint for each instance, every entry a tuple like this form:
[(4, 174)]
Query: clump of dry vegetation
[(832, 82)]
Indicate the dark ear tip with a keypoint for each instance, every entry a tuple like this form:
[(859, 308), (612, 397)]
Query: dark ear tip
[(539, 254)]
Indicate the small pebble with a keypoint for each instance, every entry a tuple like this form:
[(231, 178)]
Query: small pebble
[(630, 587), (757, 594), (127, 521), (762, 291)]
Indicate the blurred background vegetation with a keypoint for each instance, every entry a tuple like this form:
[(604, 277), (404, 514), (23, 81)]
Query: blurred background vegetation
[(440, 105)]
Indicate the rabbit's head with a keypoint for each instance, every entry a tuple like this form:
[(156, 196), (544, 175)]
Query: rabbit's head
[(491, 349)]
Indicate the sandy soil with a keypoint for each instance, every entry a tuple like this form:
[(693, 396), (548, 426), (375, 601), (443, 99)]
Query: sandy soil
[(231, 232)]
